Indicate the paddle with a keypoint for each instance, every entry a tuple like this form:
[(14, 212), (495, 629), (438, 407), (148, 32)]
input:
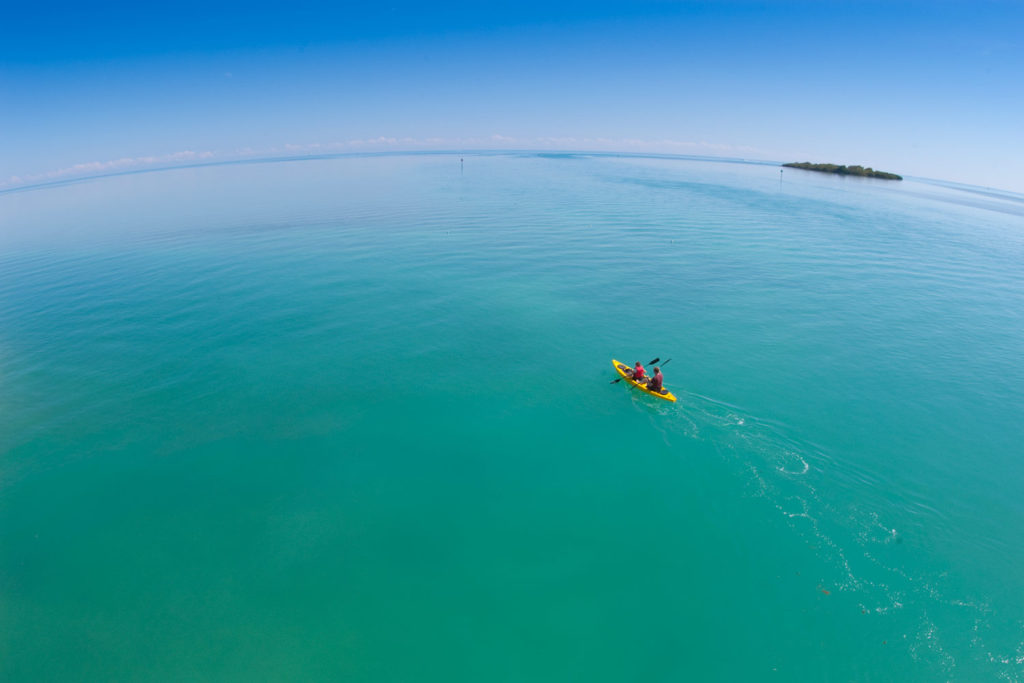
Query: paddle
[(616, 381)]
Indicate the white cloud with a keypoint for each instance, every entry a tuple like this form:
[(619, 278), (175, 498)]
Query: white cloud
[(113, 165), (550, 142)]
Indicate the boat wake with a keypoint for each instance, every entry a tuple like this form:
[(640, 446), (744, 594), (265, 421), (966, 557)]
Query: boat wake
[(854, 536)]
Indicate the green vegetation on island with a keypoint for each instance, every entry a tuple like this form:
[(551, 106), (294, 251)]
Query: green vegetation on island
[(845, 170)]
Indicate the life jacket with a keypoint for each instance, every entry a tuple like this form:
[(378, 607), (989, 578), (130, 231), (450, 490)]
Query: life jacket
[(639, 372)]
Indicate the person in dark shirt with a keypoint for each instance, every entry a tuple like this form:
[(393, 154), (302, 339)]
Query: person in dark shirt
[(656, 380)]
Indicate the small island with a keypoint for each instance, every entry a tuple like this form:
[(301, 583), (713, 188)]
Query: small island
[(845, 170)]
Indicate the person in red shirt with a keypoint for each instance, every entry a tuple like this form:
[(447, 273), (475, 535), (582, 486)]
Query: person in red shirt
[(655, 382), (638, 373)]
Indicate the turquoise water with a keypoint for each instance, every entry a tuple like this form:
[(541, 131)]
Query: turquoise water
[(351, 419)]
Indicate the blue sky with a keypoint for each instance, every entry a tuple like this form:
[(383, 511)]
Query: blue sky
[(930, 89)]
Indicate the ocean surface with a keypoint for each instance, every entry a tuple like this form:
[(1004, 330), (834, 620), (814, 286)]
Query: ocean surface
[(352, 419)]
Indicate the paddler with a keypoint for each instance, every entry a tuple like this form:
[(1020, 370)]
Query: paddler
[(638, 373), (655, 382)]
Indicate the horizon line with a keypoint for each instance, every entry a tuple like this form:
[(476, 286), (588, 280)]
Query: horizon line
[(993, 192), (280, 158)]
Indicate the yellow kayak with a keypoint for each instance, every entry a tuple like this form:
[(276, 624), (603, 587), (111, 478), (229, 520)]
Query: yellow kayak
[(624, 370)]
